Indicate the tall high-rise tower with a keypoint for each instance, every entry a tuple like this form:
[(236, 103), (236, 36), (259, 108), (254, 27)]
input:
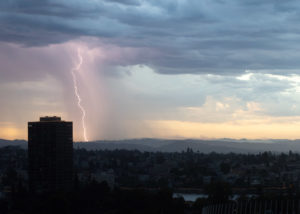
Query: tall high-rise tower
[(50, 154)]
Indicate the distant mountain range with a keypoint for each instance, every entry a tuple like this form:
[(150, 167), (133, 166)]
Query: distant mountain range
[(21, 143), (163, 145)]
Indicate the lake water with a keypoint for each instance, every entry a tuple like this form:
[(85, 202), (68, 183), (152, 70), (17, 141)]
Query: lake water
[(193, 197), (189, 197)]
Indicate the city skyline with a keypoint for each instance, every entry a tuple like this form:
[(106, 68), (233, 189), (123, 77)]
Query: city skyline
[(172, 69)]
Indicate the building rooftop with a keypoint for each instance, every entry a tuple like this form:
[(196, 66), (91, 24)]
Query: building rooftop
[(50, 119)]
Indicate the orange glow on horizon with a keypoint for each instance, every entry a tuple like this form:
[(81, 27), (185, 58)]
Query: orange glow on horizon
[(181, 129), (12, 133)]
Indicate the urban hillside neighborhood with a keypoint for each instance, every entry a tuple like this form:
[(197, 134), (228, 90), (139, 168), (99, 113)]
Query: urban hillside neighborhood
[(185, 172)]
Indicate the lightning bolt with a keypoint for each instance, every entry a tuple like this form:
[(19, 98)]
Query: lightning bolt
[(77, 94)]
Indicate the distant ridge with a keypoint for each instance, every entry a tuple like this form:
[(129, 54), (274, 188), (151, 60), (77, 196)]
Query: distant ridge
[(21, 143), (167, 145)]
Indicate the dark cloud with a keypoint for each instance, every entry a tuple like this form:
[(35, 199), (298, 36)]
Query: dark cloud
[(219, 36), (126, 2)]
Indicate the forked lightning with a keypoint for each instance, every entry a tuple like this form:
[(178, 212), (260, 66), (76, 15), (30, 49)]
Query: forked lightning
[(77, 94)]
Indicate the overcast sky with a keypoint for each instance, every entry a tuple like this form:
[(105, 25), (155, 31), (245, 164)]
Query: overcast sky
[(167, 69)]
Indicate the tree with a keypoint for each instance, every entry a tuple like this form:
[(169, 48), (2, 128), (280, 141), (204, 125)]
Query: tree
[(218, 191), (225, 167)]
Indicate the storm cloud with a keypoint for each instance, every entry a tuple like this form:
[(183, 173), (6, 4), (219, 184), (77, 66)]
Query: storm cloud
[(218, 37)]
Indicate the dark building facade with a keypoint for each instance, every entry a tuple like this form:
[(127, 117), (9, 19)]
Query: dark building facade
[(50, 155)]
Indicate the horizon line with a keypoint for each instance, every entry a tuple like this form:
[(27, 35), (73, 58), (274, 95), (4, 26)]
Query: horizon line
[(177, 139)]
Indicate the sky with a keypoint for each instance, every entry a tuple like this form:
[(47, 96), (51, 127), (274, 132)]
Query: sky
[(163, 69)]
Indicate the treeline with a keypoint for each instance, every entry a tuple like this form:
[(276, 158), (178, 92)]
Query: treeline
[(93, 198)]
